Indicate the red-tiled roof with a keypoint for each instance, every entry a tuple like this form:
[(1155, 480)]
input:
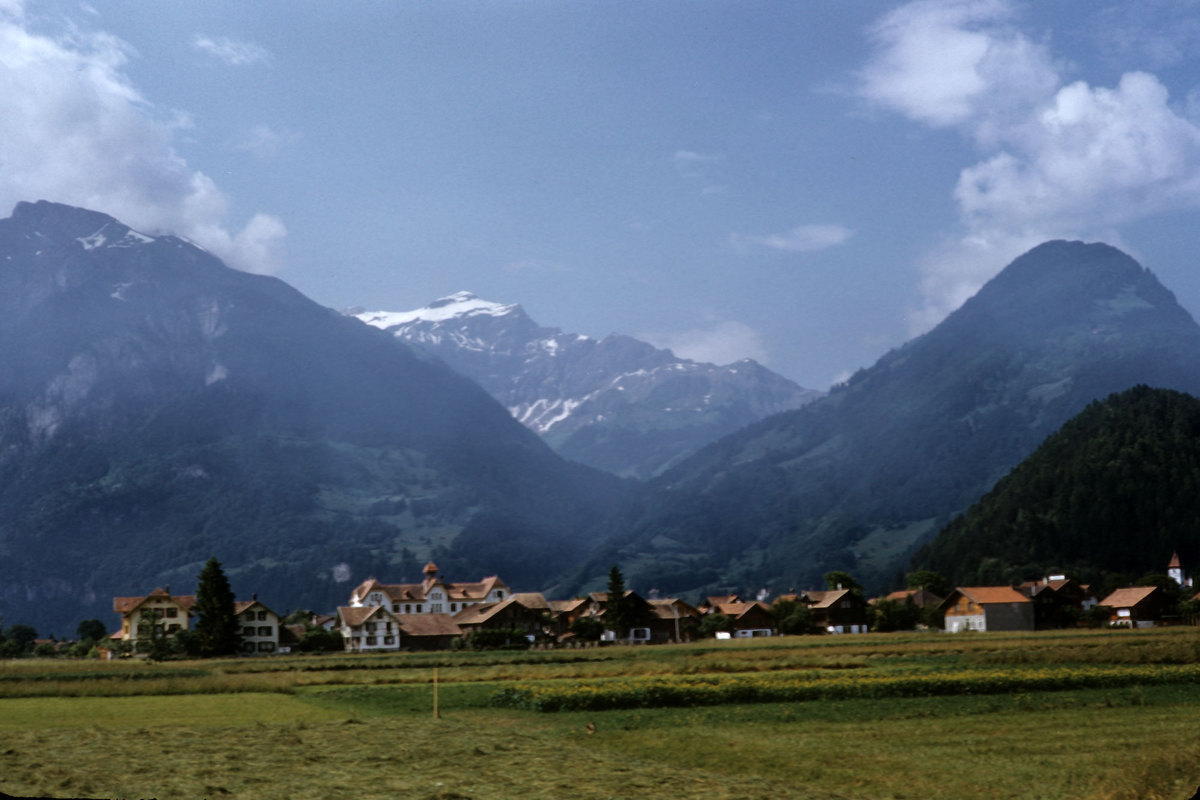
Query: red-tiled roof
[(124, 605), (992, 594)]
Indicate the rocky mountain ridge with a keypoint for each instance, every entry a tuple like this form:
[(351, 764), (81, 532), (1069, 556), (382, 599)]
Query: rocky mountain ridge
[(617, 403)]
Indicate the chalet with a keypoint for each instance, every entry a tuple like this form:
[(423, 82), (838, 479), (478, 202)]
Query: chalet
[(367, 629), (1058, 601), (596, 605), (837, 610), (159, 611), (747, 619), (673, 620), (260, 627), (427, 631), (527, 612), (921, 598), (1136, 607), (987, 608), (430, 596)]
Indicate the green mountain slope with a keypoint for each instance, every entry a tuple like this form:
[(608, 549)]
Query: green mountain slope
[(858, 479), (1115, 490)]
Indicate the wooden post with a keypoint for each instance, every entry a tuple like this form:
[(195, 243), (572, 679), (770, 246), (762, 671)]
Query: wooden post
[(436, 715)]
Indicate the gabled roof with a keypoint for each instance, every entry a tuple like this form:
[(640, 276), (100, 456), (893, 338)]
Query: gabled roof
[(1128, 597), (354, 616), (240, 606), (428, 625), (126, 605), (921, 597), (825, 598), (672, 607), (1174, 562), (566, 606), (984, 595), (736, 611), (418, 592)]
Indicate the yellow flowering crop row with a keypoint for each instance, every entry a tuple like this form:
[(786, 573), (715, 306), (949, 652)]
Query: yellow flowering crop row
[(661, 692)]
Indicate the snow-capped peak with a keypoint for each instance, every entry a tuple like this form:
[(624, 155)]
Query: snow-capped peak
[(459, 304)]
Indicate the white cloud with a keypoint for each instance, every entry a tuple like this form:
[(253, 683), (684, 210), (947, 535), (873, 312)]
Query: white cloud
[(263, 142), (801, 239), (723, 342), (231, 51), (74, 129), (1057, 161)]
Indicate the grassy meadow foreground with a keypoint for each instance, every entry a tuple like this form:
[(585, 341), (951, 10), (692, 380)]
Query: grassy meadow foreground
[(1047, 715)]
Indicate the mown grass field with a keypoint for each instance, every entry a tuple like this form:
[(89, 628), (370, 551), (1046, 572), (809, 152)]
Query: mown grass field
[(1050, 715)]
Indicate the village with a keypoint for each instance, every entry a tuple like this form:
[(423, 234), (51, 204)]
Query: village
[(438, 614)]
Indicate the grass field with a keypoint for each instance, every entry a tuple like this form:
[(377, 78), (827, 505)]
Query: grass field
[(325, 727)]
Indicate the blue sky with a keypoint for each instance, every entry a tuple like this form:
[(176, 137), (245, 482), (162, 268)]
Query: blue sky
[(806, 183)]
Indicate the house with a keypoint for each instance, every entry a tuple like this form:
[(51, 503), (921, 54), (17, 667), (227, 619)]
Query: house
[(368, 629), (260, 626), (921, 597), (427, 631), (747, 619), (1058, 601), (431, 596), (159, 611), (1136, 607), (673, 620), (527, 612), (837, 610), (987, 608)]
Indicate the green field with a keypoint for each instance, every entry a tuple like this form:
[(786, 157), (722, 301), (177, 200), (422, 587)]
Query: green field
[(1050, 715)]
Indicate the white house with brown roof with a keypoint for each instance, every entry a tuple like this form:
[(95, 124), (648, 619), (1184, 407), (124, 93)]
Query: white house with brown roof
[(260, 627), (430, 596), (368, 629), (987, 608), (168, 613)]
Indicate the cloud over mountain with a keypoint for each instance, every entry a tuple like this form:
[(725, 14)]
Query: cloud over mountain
[(74, 128), (1057, 158)]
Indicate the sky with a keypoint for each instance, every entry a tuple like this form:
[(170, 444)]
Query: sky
[(808, 184)]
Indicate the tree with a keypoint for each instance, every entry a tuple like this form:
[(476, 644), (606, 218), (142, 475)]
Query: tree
[(91, 630), (837, 579), (791, 616), (618, 612), (930, 581), (18, 640), (217, 630), (712, 624), (587, 629), (895, 615)]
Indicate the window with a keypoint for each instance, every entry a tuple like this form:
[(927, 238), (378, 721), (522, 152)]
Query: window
[(248, 630), (435, 596), (370, 626), (418, 608), (453, 607), (262, 616), (396, 607), (264, 630), (266, 647), (389, 640), (435, 608), (172, 613), (370, 640), (407, 608)]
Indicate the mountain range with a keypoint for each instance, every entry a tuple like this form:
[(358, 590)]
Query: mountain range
[(858, 479), (617, 403), (158, 408)]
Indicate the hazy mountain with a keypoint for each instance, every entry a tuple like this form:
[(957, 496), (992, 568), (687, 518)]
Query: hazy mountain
[(617, 403), (158, 408), (859, 478), (1116, 490)]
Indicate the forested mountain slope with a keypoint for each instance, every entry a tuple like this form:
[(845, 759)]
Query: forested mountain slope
[(1116, 490)]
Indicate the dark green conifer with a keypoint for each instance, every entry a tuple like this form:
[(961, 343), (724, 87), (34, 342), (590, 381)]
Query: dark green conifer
[(217, 632)]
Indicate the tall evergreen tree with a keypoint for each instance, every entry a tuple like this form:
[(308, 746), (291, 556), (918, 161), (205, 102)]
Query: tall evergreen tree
[(618, 611), (217, 631)]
